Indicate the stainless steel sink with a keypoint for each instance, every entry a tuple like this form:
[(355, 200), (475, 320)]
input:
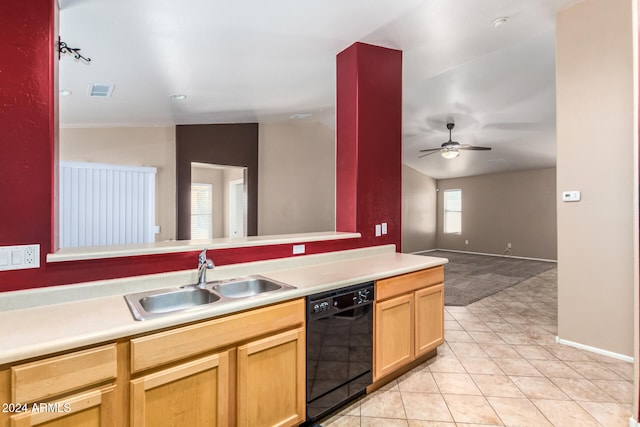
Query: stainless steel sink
[(160, 302), (249, 287), (177, 300), (147, 305)]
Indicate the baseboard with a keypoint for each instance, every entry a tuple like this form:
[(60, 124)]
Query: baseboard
[(422, 252), (633, 422), (496, 255), (597, 350)]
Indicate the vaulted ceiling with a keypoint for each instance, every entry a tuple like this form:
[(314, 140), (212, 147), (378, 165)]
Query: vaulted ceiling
[(259, 61)]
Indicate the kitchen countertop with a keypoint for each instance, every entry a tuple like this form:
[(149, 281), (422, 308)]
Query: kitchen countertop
[(30, 328), (176, 246)]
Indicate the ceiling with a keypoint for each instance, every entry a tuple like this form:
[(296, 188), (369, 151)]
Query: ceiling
[(264, 61)]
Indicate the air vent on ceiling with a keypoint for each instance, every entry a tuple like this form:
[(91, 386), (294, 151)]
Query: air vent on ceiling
[(101, 90)]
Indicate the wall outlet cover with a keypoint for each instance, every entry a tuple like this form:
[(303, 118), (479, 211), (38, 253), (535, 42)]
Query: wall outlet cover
[(19, 257)]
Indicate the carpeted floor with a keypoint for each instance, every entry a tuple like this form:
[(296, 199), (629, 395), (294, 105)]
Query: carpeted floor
[(469, 278)]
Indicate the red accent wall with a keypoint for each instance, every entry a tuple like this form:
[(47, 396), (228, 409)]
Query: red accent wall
[(28, 156), (28, 126), (369, 133)]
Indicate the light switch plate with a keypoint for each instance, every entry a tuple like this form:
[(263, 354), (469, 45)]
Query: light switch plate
[(19, 257)]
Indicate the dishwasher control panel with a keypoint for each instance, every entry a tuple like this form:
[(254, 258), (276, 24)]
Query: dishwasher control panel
[(340, 299)]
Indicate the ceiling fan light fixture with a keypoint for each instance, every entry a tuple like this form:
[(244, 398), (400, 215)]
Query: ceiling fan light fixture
[(450, 153)]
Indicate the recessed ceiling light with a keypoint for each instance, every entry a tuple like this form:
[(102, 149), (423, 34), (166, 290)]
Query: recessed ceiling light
[(178, 97), (500, 21), (298, 116), (65, 92)]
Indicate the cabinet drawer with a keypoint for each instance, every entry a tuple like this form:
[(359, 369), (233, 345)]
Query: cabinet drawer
[(56, 375), (398, 285), (176, 344)]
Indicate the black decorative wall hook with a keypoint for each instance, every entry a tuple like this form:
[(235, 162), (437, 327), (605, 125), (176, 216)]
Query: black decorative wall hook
[(63, 48)]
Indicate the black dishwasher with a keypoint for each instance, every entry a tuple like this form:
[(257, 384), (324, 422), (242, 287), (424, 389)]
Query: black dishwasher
[(339, 347)]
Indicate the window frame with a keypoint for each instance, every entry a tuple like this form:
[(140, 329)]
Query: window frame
[(448, 209), (193, 215)]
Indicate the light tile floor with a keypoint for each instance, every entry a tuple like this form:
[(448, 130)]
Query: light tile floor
[(500, 366)]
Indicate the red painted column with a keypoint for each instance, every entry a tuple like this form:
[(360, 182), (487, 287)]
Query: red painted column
[(369, 142), (28, 123)]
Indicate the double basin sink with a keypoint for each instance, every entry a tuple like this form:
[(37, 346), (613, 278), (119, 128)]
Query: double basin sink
[(150, 304)]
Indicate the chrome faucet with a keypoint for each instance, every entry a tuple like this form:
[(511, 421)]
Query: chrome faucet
[(204, 264)]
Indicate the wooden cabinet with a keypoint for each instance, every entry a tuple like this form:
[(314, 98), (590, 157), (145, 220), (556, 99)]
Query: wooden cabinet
[(409, 319), (394, 343), (75, 389), (193, 393), (271, 380), (429, 318), (245, 369)]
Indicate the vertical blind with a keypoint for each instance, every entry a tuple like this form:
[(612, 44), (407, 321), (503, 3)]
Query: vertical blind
[(201, 211), (102, 204)]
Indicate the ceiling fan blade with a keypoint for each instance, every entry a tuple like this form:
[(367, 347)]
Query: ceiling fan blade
[(428, 150), (471, 147), (429, 153)]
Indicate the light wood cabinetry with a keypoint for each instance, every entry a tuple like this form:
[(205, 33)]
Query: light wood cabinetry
[(393, 334), (245, 369), (193, 393), (271, 380), (409, 319), (75, 389), (429, 318)]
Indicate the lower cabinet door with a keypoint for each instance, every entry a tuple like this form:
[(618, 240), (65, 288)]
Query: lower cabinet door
[(194, 394), (271, 381), (429, 318), (393, 336), (86, 409)]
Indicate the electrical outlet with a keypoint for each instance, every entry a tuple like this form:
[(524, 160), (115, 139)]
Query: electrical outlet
[(19, 257), (298, 249), (508, 245), (466, 242), (378, 230), (29, 255)]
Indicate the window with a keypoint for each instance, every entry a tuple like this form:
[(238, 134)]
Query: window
[(103, 204), (201, 211), (453, 211)]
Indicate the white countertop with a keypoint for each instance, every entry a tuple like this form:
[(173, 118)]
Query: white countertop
[(175, 246), (36, 322)]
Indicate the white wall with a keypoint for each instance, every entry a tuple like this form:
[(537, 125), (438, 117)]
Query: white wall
[(596, 136), (497, 209), (296, 170), (418, 211)]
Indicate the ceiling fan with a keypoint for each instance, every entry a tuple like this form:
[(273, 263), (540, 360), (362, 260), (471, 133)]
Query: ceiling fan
[(451, 149)]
